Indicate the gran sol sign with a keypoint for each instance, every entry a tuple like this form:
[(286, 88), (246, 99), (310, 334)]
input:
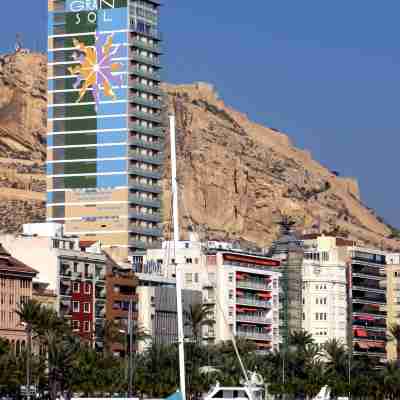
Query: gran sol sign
[(89, 7)]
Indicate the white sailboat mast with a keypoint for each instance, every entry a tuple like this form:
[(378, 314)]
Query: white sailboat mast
[(175, 217)]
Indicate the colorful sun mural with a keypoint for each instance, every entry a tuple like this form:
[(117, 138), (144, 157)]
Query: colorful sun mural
[(97, 69)]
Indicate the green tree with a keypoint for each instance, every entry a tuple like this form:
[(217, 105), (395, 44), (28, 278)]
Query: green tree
[(197, 316)]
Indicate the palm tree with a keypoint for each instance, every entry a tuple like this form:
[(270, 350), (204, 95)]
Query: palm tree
[(300, 339), (394, 335), (198, 316), (29, 313), (113, 333)]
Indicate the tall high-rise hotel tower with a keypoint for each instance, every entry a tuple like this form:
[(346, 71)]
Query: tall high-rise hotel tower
[(105, 128)]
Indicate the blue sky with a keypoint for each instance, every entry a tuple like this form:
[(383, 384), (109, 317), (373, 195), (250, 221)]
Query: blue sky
[(326, 73)]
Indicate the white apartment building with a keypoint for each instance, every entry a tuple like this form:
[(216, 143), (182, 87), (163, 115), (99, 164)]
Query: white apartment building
[(324, 289), (242, 289)]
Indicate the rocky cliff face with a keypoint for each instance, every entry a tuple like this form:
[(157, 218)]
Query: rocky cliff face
[(236, 178), (23, 113)]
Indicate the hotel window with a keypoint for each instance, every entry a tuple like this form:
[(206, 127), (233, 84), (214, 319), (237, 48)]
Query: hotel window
[(75, 267), (317, 316), (86, 308), (75, 325), (76, 287), (189, 261), (75, 306), (86, 326)]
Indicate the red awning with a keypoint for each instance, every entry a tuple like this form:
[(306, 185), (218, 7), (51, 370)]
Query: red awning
[(365, 317), (360, 332), (239, 293), (264, 295), (240, 309), (375, 306), (363, 345), (378, 344)]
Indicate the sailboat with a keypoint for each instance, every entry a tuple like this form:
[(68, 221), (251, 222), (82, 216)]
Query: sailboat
[(252, 386)]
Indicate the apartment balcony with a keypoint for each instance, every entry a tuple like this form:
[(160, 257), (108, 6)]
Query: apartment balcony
[(154, 174), (145, 115), (76, 275), (145, 102), (145, 231), (253, 285), (156, 160), (253, 319), (144, 202), (145, 217), (89, 276), (137, 244), (360, 300), (100, 294), (100, 276), (246, 301), (144, 144), (155, 76), (156, 131), (140, 44), (145, 88), (100, 313), (253, 335), (65, 291), (156, 189)]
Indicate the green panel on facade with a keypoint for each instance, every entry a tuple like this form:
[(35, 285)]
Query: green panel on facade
[(81, 125), (80, 167), (80, 138), (79, 22), (77, 153), (88, 40), (71, 97), (79, 110), (76, 182)]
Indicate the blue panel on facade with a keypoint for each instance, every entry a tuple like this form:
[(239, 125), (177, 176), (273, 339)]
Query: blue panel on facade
[(112, 137), (111, 108), (111, 151), (49, 197), (111, 123), (49, 169), (50, 112), (50, 85), (112, 180), (49, 140), (50, 23), (120, 93), (119, 37), (111, 166), (112, 19)]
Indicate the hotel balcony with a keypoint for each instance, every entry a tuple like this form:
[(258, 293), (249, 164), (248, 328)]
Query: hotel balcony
[(253, 335), (145, 231), (144, 144), (144, 202), (145, 88), (253, 285), (145, 217), (140, 44), (153, 61), (255, 319), (145, 102), (154, 174), (136, 71), (249, 301), (156, 131), (150, 32), (147, 116), (156, 160), (157, 189)]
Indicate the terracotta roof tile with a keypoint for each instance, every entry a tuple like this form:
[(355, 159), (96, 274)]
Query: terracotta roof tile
[(11, 264)]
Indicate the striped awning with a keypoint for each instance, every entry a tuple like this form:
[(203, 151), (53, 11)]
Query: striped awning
[(264, 295), (360, 332), (363, 345)]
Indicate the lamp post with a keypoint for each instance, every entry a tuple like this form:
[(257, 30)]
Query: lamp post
[(130, 360)]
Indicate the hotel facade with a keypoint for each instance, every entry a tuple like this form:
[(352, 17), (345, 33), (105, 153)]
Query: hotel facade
[(105, 127)]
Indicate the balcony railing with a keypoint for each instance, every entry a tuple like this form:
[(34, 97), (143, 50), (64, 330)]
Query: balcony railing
[(144, 202), (145, 102), (369, 289), (145, 217), (156, 160), (155, 62), (144, 187), (253, 335), (147, 145), (156, 131), (145, 115), (246, 301), (145, 88), (145, 74), (155, 48), (253, 319), (155, 174), (255, 285), (138, 244), (150, 32), (145, 231)]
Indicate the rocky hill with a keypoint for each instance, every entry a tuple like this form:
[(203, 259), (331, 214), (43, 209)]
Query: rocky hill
[(236, 177)]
